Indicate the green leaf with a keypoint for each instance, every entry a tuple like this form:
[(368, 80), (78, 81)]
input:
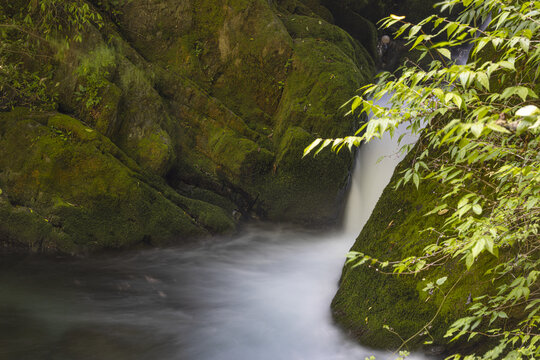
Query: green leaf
[(312, 146), (438, 93), (483, 79), (525, 43), (419, 39), (457, 100), (465, 77), (478, 247), (442, 280), (507, 65), (445, 52), (324, 144), (416, 180), (477, 209), (451, 28), (476, 129), (528, 110), (522, 92), (490, 246), (357, 102), (497, 128), (414, 30), (469, 261)]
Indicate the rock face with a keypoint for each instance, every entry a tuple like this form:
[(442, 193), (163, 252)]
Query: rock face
[(72, 189), (183, 116), (367, 301)]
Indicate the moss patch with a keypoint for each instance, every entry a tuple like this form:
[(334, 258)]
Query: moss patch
[(367, 300), (297, 184), (84, 186)]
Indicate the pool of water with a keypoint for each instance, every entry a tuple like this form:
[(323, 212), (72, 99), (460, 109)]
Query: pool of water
[(263, 295)]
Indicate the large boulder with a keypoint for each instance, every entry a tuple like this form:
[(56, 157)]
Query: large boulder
[(207, 107), (66, 187), (241, 79), (383, 310)]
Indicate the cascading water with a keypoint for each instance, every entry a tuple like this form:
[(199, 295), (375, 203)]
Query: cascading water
[(375, 164), (263, 295)]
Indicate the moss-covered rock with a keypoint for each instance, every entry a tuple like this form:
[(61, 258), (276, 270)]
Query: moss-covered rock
[(311, 180), (368, 300), (257, 73), (217, 100), (88, 190)]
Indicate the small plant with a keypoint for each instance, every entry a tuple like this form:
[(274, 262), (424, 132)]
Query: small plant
[(34, 32), (94, 73), (288, 64), (19, 87), (64, 135), (198, 48)]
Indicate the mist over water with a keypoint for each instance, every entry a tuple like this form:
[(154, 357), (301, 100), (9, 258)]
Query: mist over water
[(263, 295)]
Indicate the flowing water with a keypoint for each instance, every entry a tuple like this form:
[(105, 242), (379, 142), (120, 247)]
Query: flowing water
[(263, 295)]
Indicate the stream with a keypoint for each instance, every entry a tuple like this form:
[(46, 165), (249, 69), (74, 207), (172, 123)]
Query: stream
[(262, 295)]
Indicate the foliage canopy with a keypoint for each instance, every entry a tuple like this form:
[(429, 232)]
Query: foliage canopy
[(479, 128), (33, 34)]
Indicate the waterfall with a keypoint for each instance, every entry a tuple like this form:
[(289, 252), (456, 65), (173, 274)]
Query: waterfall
[(262, 295), (377, 160), (375, 164)]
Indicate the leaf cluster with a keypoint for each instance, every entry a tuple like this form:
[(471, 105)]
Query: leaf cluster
[(479, 129), (32, 33)]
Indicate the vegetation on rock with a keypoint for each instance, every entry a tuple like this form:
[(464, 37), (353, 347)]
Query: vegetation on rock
[(464, 220), (212, 102)]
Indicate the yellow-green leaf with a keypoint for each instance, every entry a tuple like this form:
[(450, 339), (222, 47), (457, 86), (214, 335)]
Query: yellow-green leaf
[(445, 52), (528, 110), (476, 129), (312, 146), (396, 17), (483, 79)]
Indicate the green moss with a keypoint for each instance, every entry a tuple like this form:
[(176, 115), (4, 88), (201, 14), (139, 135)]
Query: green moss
[(367, 300), (323, 79), (302, 27), (244, 160), (153, 150), (308, 190), (89, 194), (72, 127), (26, 229), (145, 123)]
